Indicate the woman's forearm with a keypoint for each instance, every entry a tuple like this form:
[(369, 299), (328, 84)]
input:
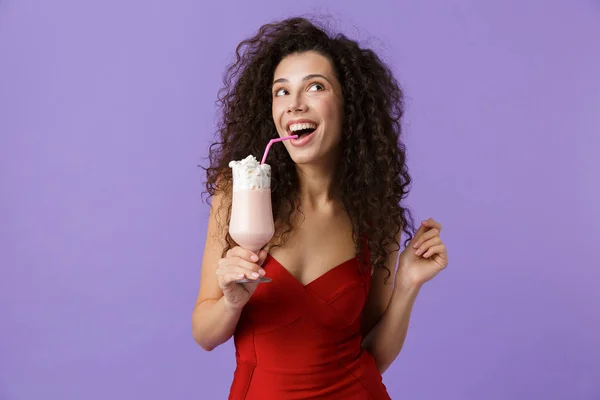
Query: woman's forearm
[(386, 339), (214, 322)]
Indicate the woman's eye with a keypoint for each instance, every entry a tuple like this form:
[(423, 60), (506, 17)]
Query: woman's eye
[(316, 86), (280, 92)]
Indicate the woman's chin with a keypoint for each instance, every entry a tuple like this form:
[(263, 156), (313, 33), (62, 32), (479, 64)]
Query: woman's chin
[(302, 160), (302, 157), (314, 154), (308, 158)]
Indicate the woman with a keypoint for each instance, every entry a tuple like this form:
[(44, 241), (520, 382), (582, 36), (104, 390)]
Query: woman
[(335, 315)]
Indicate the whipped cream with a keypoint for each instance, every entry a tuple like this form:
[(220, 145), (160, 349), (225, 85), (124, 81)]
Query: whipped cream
[(249, 174)]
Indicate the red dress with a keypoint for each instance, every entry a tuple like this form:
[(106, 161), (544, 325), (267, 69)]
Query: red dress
[(299, 342)]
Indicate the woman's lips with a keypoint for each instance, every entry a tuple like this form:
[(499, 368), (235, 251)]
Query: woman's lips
[(303, 140)]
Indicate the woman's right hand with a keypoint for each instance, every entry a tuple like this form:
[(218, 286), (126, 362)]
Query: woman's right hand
[(239, 263)]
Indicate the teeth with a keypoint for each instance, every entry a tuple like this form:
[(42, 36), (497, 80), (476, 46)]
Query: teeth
[(299, 127)]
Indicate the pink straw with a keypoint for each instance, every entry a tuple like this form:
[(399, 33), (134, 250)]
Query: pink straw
[(275, 141)]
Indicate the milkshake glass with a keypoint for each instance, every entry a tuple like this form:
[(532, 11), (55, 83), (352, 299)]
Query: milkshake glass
[(251, 224)]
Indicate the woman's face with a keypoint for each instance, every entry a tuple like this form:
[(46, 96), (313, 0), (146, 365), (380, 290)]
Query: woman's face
[(307, 101)]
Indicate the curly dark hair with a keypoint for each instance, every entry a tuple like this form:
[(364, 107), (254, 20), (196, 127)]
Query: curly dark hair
[(372, 172)]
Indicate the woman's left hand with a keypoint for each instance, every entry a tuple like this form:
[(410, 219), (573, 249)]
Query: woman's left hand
[(424, 257)]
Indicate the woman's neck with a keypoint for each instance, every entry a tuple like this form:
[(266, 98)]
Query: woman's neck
[(317, 185)]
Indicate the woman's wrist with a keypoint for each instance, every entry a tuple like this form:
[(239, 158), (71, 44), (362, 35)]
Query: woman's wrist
[(407, 285)]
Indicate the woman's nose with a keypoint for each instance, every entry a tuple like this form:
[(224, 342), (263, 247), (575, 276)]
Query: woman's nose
[(296, 105)]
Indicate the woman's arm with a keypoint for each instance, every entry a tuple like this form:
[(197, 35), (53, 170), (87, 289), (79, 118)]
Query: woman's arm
[(386, 338), (389, 306), (213, 320), (387, 314)]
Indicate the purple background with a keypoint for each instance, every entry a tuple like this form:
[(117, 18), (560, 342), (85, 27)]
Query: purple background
[(106, 108)]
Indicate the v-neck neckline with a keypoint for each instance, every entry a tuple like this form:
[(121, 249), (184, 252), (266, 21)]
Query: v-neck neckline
[(317, 279)]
